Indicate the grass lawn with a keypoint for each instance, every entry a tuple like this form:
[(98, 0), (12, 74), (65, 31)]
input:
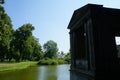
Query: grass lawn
[(16, 66)]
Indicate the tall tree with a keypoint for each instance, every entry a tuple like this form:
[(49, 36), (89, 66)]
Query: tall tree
[(24, 45), (32, 49), (51, 49), (37, 50), (5, 33), (22, 35)]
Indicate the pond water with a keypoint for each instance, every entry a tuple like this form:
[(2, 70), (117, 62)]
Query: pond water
[(58, 72)]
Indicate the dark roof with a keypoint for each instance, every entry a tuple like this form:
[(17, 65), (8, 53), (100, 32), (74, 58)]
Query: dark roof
[(79, 13)]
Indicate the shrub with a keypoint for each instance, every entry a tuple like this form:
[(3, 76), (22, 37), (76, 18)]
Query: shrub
[(47, 62), (54, 61), (61, 61)]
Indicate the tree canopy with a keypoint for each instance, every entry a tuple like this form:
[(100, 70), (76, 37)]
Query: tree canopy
[(6, 31), (25, 44), (51, 49)]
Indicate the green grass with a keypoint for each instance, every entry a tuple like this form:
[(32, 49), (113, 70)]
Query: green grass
[(16, 66)]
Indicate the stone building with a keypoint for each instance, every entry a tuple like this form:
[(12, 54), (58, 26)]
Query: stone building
[(93, 29)]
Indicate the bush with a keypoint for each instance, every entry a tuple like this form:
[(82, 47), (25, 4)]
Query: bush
[(61, 61), (68, 58), (54, 62), (48, 61)]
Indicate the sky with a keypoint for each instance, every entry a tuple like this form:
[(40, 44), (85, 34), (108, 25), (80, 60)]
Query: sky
[(50, 17)]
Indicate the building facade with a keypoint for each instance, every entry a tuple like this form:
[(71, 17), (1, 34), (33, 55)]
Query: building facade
[(93, 29)]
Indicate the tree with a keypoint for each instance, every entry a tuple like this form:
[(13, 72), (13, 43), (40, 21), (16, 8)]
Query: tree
[(68, 57), (21, 40), (26, 46), (6, 31), (51, 49), (32, 49), (37, 50)]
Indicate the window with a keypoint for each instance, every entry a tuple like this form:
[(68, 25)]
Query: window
[(117, 40)]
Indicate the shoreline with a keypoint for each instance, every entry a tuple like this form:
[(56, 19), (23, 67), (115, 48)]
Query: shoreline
[(16, 66)]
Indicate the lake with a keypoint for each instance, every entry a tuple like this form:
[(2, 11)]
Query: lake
[(58, 72)]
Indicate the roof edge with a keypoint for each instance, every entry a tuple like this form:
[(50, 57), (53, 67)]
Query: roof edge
[(81, 9)]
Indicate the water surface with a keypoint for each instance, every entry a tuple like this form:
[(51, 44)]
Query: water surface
[(59, 72)]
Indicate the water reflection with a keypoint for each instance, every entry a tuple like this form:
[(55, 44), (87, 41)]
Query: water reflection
[(26, 74), (60, 72), (48, 73)]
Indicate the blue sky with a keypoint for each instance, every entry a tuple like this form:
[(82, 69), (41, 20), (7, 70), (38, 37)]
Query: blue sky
[(49, 17)]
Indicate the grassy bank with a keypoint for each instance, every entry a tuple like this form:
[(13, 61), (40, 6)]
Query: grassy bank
[(15, 66)]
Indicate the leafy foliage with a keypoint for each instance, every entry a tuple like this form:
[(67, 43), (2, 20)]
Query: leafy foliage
[(27, 45), (53, 61), (5, 34), (51, 49), (68, 57)]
